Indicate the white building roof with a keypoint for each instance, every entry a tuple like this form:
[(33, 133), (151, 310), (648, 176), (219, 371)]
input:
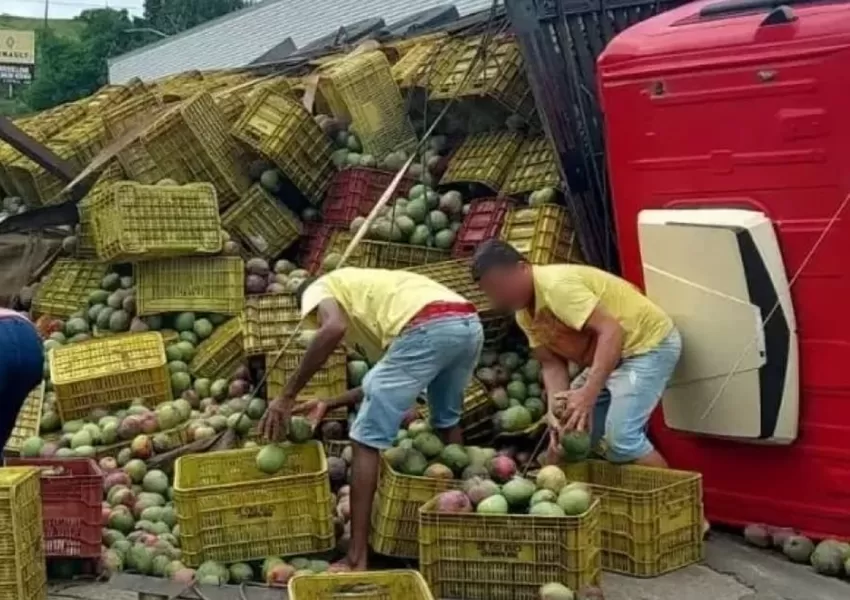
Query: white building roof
[(236, 39)]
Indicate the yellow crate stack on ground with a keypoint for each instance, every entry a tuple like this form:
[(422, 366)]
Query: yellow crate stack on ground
[(213, 284), (221, 354), (544, 234), (395, 512), (23, 574), (651, 519), (383, 255), (278, 128), (27, 422), (483, 158), (507, 557), (133, 222), (262, 223), (67, 286), (362, 89), (230, 511), (374, 585), (109, 373), (493, 71), (456, 274), (268, 321), (190, 143), (534, 167)]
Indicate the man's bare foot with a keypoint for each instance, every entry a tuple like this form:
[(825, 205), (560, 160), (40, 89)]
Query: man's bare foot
[(706, 528)]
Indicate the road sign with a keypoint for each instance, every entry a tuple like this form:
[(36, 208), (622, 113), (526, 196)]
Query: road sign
[(17, 47), (17, 56)]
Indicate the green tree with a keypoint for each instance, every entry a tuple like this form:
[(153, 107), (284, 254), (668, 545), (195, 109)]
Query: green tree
[(70, 68), (174, 16)]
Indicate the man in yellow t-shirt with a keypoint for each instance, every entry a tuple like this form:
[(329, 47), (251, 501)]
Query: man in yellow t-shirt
[(626, 344), (430, 338)]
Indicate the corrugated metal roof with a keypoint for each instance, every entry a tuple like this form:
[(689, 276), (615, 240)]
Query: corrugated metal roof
[(237, 39)]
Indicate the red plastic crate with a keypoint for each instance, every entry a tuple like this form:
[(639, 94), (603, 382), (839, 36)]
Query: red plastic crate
[(355, 191), (482, 222), (71, 505), (313, 245)]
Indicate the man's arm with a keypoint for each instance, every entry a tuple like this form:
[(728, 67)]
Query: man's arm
[(348, 399), (556, 374), (609, 348), (333, 325)]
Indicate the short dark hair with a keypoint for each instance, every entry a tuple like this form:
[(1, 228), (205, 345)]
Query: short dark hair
[(492, 254), (302, 287)]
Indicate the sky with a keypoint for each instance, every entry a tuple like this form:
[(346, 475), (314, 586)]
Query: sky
[(65, 9)]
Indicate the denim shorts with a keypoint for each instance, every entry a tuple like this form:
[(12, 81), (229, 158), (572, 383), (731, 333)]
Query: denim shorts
[(438, 356), (21, 370), (632, 392)]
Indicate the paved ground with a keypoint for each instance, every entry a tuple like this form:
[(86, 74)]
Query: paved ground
[(732, 571)]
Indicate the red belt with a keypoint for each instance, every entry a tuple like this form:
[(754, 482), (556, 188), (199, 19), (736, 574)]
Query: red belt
[(438, 310)]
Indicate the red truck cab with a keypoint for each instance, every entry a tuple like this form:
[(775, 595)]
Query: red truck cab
[(728, 148)]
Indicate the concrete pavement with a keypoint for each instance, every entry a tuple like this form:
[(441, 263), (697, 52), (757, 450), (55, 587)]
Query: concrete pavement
[(731, 571)]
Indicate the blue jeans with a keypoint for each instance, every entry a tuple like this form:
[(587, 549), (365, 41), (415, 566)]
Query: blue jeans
[(21, 370), (438, 356), (632, 392)]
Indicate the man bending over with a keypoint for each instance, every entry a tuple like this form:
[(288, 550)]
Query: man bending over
[(430, 338)]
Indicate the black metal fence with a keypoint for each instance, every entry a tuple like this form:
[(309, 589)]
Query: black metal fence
[(560, 41)]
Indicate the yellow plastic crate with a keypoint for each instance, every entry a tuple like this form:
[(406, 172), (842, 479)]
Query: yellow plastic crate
[(190, 143), (23, 574), (651, 519), (534, 167), (28, 421), (66, 287), (477, 417), (109, 372), (262, 223), (221, 354), (395, 512), (269, 320), (426, 63), (456, 275), (135, 159), (8, 156), (229, 511), (203, 284), (542, 233), (482, 158), (361, 88), (277, 127), (133, 222), (112, 173), (383, 255), (83, 140), (34, 184), (497, 74), (329, 382), (371, 585), (487, 557)]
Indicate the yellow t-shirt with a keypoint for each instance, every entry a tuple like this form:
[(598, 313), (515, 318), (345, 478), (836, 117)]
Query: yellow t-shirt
[(377, 302), (572, 292)]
